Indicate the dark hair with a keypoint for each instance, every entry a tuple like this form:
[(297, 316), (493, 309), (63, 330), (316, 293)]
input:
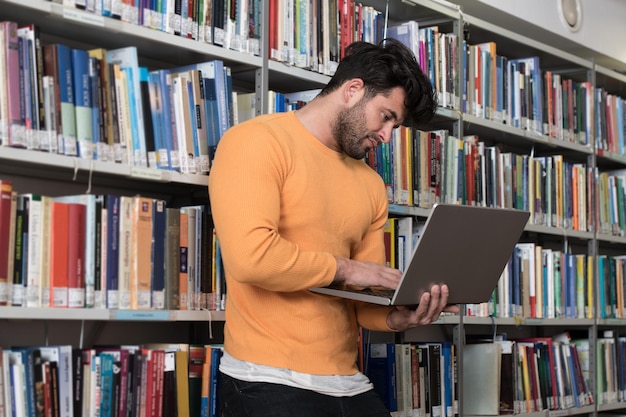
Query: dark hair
[(383, 67)]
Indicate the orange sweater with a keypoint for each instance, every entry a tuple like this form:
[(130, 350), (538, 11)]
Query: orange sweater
[(283, 204)]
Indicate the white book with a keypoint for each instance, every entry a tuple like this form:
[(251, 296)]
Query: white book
[(125, 251), (6, 376), (35, 238), (18, 389)]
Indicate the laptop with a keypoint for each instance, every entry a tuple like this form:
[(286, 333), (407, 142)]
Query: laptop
[(465, 247)]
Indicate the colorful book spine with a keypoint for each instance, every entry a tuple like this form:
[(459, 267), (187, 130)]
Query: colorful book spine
[(6, 191), (82, 103)]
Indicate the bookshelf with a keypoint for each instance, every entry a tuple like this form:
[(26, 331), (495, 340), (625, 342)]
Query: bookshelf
[(40, 172)]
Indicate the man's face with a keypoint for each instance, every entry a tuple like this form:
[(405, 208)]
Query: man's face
[(363, 126)]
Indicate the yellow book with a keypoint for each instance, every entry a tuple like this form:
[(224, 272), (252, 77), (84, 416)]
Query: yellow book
[(182, 382), (141, 251), (183, 285), (524, 364), (390, 235)]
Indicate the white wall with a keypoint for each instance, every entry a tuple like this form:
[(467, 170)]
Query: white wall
[(603, 27)]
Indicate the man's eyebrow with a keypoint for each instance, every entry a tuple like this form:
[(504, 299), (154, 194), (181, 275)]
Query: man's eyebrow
[(394, 115)]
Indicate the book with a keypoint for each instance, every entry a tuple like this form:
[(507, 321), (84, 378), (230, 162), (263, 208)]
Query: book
[(381, 370), (92, 232), (62, 356), (182, 383), (76, 255), (158, 261), (183, 283), (112, 249), (59, 255), (481, 378), (108, 132), (34, 231), (6, 208), (127, 57), (17, 286), (11, 133), (141, 249), (58, 63), (172, 258), (83, 103), (125, 254)]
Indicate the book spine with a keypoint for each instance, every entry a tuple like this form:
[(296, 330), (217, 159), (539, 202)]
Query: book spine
[(76, 256), (112, 250), (158, 263), (6, 191), (141, 249), (82, 103)]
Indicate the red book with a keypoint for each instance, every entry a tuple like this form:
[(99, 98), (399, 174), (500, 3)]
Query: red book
[(59, 242), (76, 256), (6, 190), (273, 42), (12, 86)]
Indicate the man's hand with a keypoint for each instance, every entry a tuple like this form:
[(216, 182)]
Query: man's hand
[(366, 274), (430, 307)]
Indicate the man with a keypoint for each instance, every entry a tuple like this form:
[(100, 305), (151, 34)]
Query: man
[(295, 207)]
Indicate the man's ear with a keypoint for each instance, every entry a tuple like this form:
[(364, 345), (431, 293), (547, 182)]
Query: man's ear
[(353, 91)]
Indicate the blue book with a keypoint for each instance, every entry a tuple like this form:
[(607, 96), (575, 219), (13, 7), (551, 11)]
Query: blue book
[(449, 381), (82, 103), (169, 133), (128, 60), (106, 384), (158, 127), (112, 204), (214, 404), (380, 368), (97, 110), (212, 116), (66, 89), (140, 156), (158, 254)]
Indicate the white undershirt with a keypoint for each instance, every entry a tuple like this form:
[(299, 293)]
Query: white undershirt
[(334, 385)]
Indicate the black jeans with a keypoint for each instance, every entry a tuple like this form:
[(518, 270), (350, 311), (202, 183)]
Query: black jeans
[(261, 399)]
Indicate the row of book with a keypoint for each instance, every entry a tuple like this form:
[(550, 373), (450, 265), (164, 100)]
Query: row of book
[(502, 377), (539, 282), (101, 104), (525, 375), (611, 357), (421, 168), (543, 283), (516, 92), (414, 378), (152, 380), (233, 24), (107, 251)]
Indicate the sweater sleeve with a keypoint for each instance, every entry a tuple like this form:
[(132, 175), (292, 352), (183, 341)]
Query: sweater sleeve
[(245, 183)]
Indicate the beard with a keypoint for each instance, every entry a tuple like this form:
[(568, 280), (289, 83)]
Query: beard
[(350, 131)]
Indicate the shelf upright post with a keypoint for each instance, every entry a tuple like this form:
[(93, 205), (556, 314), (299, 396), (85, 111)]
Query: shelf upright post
[(592, 245), (459, 330), (261, 84)]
